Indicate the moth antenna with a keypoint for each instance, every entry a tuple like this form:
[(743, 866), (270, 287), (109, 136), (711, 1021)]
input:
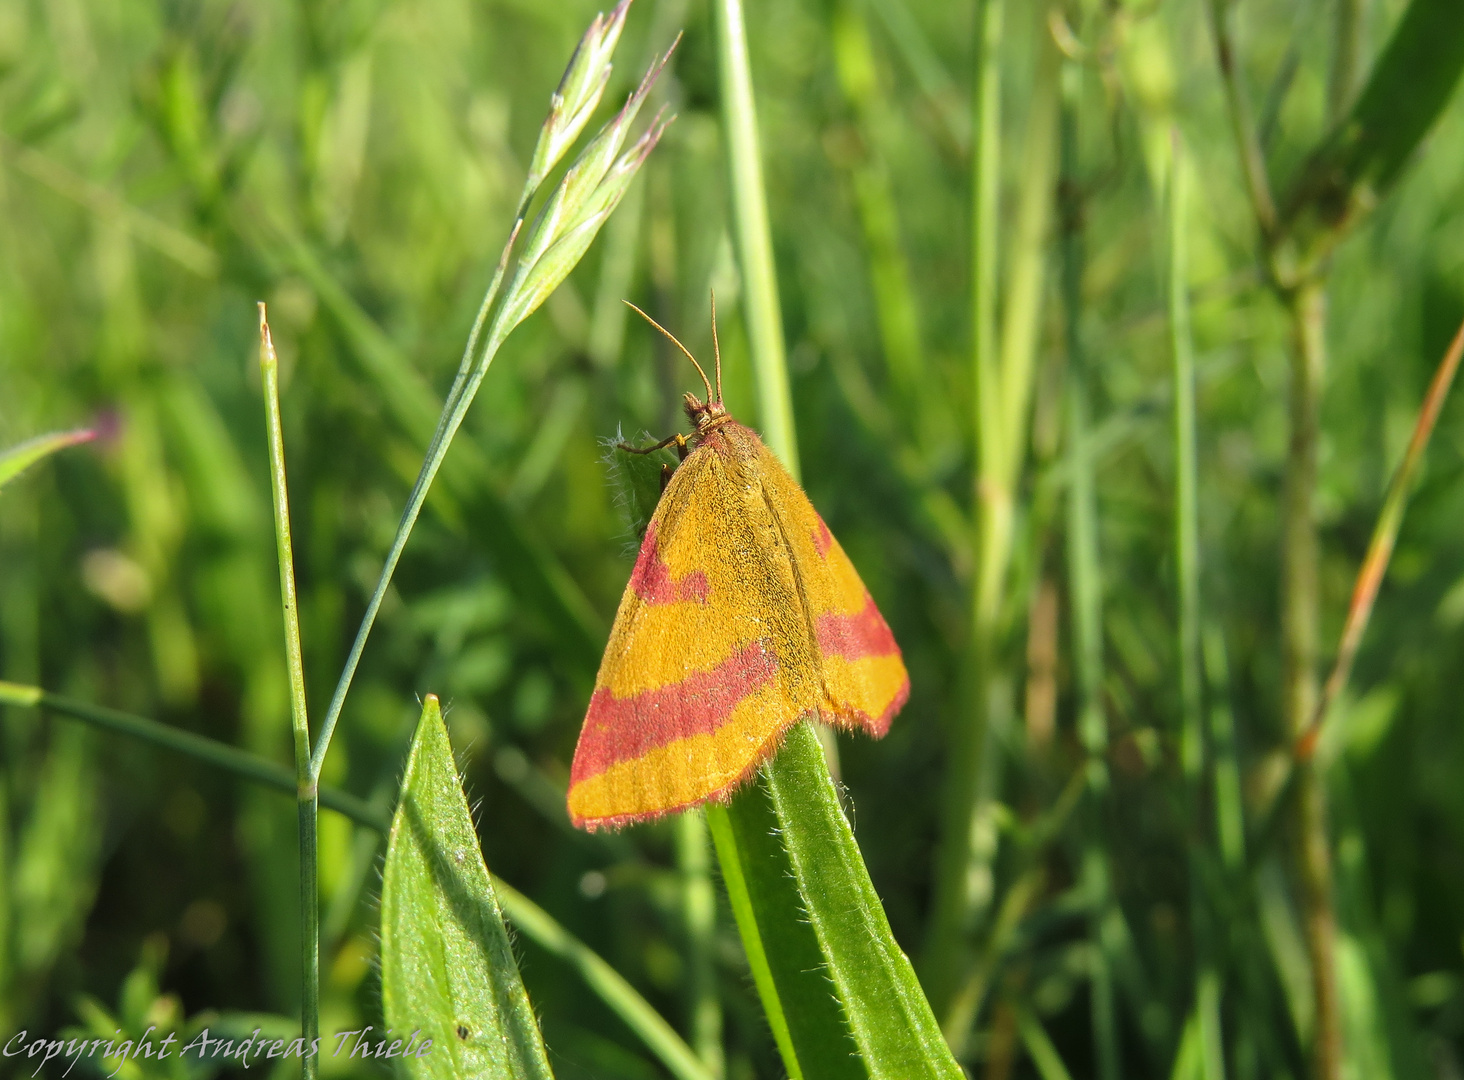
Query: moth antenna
[(716, 348), (672, 338)]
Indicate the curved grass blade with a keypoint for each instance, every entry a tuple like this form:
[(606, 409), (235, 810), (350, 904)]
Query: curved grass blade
[(17, 459), (447, 969), (660, 1038)]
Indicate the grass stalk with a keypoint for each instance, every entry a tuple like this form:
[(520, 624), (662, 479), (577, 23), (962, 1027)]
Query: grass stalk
[(454, 410), (566, 225), (879, 1022), (1193, 758), (1186, 476), (220, 755), (895, 307), (1243, 129), (1035, 1040), (1380, 546), (1312, 852), (699, 915), (961, 889), (754, 236), (1226, 784), (734, 826), (723, 829), (1085, 581), (609, 985), (305, 777), (1002, 378)]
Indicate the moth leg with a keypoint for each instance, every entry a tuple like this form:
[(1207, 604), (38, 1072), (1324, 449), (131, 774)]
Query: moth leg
[(666, 472), (679, 440)]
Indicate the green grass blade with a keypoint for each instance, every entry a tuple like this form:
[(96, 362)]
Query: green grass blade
[(883, 1006), (1186, 471), (18, 458), (891, 1022), (269, 368), (209, 751), (609, 985), (699, 917), (782, 948), (1044, 1055), (1409, 86), (964, 856), (447, 968), (754, 236)]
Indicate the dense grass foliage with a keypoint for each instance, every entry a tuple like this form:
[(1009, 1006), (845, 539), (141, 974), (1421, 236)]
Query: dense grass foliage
[(1131, 897)]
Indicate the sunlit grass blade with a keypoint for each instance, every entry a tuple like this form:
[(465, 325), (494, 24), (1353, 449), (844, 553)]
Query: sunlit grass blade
[(1086, 587), (21, 457), (962, 873), (754, 236), (875, 986), (447, 968), (788, 966), (1186, 471), (1380, 546), (269, 367), (699, 917)]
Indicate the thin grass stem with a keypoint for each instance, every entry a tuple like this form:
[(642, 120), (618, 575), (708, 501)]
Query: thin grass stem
[(1186, 474), (739, 897), (608, 984), (269, 367), (699, 914), (1208, 984), (220, 755), (754, 237), (1243, 130), (1313, 858), (1380, 546), (572, 216), (962, 879), (454, 413), (1085, 582)]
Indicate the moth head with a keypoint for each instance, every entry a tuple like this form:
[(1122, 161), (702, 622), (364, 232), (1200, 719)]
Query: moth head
[(702, 413)]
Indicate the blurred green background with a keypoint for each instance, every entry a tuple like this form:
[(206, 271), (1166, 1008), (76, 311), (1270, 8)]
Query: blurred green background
[(354, 163)]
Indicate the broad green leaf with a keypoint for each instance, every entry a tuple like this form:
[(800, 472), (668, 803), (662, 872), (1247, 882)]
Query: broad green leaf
[(447, 969), (1360, 160), (782, 949), (19, 458), (821, 929)]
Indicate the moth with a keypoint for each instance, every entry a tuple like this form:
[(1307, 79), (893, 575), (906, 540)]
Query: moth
[(742, 617)]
